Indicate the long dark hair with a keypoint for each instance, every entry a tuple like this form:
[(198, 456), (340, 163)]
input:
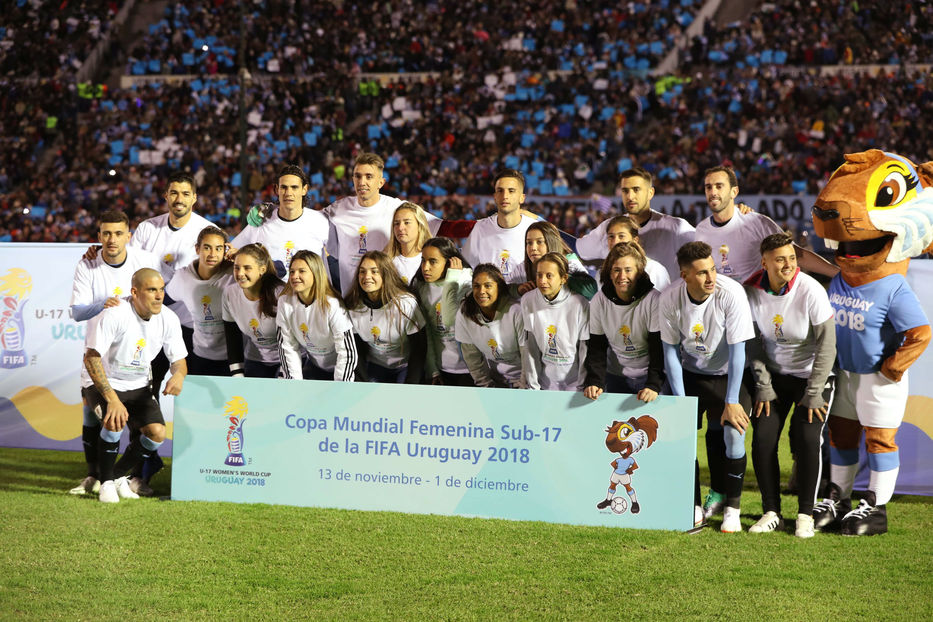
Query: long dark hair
[(225, 265), (555, 244), (269, 283), (469, 306), (448, 251)]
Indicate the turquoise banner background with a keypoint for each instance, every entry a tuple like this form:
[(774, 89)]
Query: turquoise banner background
[(501, 453)]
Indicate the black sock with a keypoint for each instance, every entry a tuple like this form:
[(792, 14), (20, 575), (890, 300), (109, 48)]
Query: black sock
[(696, 483), (106, 457), (134, 455), (89, 439), (735, 477), (716, 458)]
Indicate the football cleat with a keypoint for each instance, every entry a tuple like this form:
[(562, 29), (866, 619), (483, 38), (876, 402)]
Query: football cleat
[(140, 487), (771, 521), (698, 520), (635, 507), (804, 526), (714, 504), (731, 522), (108, 492), (88, 485), (828, 513), (123, 489), (602, 505), (865, 520)]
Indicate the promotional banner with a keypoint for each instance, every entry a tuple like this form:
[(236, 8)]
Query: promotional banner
[(43, 349), (496, 453)]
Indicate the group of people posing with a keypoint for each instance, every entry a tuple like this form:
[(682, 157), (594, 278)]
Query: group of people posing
[(376, 289)]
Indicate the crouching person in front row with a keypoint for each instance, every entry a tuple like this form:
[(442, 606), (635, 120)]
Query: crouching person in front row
[(119, 350)]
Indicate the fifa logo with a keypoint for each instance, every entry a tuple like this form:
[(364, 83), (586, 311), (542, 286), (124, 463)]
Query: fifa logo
[(206, 308), (139, 352), (304, 334), (724, 257), (235, 412), (289, 249), (375, 333), (168, 259), (15, 287), (254, 326), (698, 337), (363, 232), (552, 340), (778, 321), (626, 333), (494, 347)]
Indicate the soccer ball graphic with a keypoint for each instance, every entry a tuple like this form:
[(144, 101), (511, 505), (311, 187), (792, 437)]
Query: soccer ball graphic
[(619, 505)]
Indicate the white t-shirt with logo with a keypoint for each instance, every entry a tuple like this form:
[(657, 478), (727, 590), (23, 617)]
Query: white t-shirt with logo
[(407, 266), (503, 248), (737, 244), (204, 302), (626, 328), (386, 330), (320, 333), (498, 339), (560, 329), (261, 337), (284, 238)]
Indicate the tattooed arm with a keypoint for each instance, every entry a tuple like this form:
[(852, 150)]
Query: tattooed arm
[(116, 415)]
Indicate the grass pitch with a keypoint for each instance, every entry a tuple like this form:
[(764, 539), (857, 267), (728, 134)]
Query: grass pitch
[(65, 557)]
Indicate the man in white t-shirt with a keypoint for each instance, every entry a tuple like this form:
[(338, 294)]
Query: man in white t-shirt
[(705, 322), (500, 239), (119, 349), (659, 235), (735, 237), (100, 283), (291, 227)]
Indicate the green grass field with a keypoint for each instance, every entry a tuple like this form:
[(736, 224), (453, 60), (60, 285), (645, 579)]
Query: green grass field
[(65, 557)]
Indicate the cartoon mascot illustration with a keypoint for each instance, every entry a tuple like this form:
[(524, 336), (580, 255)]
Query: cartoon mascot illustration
[(627, 438), (876, 212)]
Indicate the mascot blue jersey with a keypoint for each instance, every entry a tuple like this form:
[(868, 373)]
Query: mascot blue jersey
[(871, 320)]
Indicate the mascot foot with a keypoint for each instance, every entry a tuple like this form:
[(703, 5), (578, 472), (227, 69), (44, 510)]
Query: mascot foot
[(867, 519), (635, 507), (602, 505), (828, 513)]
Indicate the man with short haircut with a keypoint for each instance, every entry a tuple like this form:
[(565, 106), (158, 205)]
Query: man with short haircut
[(500, 239), (705, 322), (291, 227), (119, 349), (101, 283), (791, 360), (735, 237), (659, 234)]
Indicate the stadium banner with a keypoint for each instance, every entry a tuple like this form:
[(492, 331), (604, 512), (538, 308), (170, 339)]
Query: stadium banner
[(42, 348), (493, 453)]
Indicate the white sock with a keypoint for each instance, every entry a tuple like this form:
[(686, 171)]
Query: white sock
[(882, 484), (843, 476)]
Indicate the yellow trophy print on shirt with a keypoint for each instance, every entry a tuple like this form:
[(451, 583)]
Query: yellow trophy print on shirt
[(304, 333), (778, 321), (289, 251), (168, 258), (363, 232), (626, 333), (697, 331), (504, 262), (118, 291), (206, 307), (494, 347), (254, 325), (438, 319), (552, 340), (375, 333), (724, 256), (137, 355)]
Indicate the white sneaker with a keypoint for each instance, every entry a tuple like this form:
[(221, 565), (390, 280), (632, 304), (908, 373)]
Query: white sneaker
[(804, 526), (108, 492), (731, 522), (140, 487), (123, 489), (698, 519), (771, 521), (88, 485)]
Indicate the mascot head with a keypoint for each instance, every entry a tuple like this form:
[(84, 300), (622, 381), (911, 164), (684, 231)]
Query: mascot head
[(629, 437), (877, 208)]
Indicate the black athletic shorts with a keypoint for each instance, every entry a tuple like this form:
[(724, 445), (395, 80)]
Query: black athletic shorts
[(140, 404)]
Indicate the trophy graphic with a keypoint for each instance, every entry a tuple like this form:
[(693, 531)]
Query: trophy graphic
[(15, 287), (235, 410)]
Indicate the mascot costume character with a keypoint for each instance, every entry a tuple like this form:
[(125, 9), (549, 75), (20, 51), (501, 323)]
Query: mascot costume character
[(876, 212)]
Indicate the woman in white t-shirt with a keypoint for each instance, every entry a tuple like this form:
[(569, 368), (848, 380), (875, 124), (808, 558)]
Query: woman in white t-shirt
[(441, 284), (200, 286), (249, 309), (409, 233), (314, 331), (624, 229), (389, 327), (490, 328), (556, 329), (541, 238)]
